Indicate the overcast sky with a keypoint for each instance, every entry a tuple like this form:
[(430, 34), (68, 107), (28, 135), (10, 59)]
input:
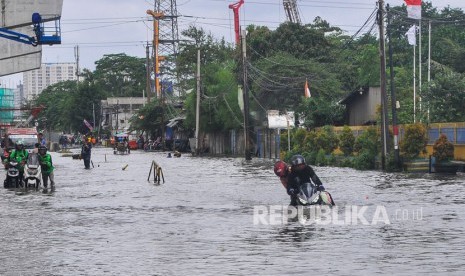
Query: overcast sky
[(121, 26)]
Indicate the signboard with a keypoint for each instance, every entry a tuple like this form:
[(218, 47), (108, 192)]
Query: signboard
[(276, 120)]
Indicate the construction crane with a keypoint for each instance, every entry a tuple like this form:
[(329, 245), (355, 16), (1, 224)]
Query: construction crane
[(235, 7), (292, 13)]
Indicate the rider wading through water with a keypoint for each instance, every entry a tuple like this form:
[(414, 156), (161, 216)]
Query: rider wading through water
[(298, 178)]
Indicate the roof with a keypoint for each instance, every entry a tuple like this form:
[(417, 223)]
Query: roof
[(353, 95), (173, 122)]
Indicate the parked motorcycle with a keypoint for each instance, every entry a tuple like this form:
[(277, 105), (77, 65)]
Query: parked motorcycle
[(12, 179), (32, 172)]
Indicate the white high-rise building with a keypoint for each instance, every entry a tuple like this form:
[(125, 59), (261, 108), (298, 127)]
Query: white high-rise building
[(50, 73)]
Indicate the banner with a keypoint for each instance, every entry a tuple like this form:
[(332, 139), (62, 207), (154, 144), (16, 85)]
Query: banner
[(88, 125)]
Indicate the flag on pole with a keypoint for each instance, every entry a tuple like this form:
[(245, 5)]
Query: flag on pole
[(413, 8), (307, 90), (412, 35), (89, 126)]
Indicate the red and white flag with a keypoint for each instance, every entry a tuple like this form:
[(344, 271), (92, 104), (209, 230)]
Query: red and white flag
[(413, 8), (88, 125), (307, 90)]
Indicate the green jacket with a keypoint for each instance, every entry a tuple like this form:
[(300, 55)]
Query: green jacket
[(18, 155), (46, 163)]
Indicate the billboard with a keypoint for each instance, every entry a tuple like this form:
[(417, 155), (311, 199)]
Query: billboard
[(276, 120)]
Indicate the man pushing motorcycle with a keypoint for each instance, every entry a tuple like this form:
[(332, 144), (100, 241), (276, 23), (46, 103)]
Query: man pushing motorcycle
[(46, 165)]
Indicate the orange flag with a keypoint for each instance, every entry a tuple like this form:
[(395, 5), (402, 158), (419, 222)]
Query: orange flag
[(307, 90)]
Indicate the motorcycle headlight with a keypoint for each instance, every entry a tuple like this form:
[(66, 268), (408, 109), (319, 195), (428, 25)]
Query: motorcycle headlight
[(32, 171)]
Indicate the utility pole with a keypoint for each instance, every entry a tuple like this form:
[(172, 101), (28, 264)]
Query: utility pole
[(384, 114), (76, 56), (395, 128), (246, 98), (197, 110), (148, 87)]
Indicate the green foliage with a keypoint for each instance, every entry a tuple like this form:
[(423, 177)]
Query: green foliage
[(120, 75), (368, 141), (148, 118), (67, 104), (443, 150), (320, 159), (309, 141), (311, 158), (298, 138), (445, 96), (366, 145), (346, 141), (364, 161), (326, 139), (414, 141)]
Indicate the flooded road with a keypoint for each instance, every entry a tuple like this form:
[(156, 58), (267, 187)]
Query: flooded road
[(204, 221)]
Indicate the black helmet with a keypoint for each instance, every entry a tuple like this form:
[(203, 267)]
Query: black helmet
[(297, 160), (42, 150)]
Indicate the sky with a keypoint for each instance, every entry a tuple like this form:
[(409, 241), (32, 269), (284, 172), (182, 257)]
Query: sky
[(102, 27)]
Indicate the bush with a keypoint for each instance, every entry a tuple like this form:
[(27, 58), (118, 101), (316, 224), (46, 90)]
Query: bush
[(346, 141), (298, 138), (414, 141), (326, 139), (367, 142), (364, 161), (311, 160), (309, 142), (321, 158), (443, 150)]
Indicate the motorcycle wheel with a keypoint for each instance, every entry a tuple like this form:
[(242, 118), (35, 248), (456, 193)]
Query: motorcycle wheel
[(6, 183)]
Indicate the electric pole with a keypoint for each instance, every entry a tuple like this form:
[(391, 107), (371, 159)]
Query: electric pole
[(246, 98), (384, 114), (395, 129), (148, 86), (197, 110)]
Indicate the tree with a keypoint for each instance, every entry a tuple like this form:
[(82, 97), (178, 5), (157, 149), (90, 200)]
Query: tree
[(120, 75), (445, 96), (443, 149), (414, 141)]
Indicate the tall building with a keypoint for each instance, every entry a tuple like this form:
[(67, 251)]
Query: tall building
[(36, 81)]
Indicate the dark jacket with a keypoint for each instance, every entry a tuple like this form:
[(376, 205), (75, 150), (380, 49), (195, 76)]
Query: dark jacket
[(299, 175), (86, 150)]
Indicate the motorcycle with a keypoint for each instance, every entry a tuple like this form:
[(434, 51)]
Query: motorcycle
[(32, 172), (12, 179), (310, 194)]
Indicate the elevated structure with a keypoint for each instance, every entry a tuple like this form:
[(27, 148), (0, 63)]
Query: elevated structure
[(292, 13), (16, 20)]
